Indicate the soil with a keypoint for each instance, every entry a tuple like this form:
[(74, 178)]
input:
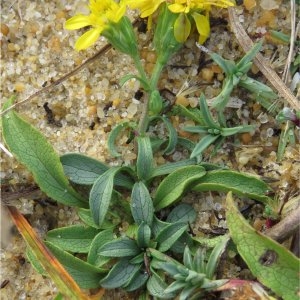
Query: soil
[(78, 114)]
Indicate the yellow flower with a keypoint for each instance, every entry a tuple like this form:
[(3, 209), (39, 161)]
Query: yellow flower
[(197, 9), (103, 12)]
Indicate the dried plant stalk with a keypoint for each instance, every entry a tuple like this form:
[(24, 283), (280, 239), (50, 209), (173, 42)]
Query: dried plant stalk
[(246, 43)]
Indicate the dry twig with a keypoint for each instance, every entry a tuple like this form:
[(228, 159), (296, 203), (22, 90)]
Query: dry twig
[(246, 43)]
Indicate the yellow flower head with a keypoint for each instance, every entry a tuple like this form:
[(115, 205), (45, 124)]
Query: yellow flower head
[(197, 9), (102, 13)]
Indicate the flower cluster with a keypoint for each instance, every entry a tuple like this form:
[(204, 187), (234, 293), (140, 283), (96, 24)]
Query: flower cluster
[(197, 10), (105, 13)]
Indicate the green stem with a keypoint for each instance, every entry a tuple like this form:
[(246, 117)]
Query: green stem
[(143, 124)]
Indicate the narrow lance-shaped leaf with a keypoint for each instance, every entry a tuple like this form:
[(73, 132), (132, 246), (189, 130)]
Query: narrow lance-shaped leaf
[(239, 183), (143, 235), (144, 164), (101, 194), (82, 169), (120, 247), (121, 274), (76, 238), (206, 141), (272, 264), (141, 204), (33, 150), (173, 186), (169, 235), (100, 239), (86, 275)]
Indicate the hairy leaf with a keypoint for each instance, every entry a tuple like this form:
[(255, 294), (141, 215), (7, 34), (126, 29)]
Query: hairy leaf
[(242, 184), (144, 164), (141, 204), (86, 275), (101, 193), (175, 184), (170, 234), (120, 247), (82, 169), (33, 150), (75, 238), (120, 275)]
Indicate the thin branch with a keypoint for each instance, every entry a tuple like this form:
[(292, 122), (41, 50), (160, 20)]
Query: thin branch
[(286, 71), (246, 43)]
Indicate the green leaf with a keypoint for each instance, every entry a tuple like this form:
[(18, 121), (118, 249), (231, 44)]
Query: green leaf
[(186, 143), (172, 134), (227, 65), (144, 164), (86, 275), (143, 235), (197, 129), (209, 242), (157, 226), (184, 240), (170, 234), (82, 169), (137, 281), (113, 135), (240, 184), (206, 141), (207, 117), (103, 237), (248, 57), (191, 113), (171, 167), (101, 194), (141, 204), (75, 238), (175, 184), (156, 287), (214, 258), (258, 88), (121, 274), (272, 264), (120, 247), (33, 150), (238, 129), (182, 213)]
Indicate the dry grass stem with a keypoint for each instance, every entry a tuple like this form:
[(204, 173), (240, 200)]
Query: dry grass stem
[(246, 43)]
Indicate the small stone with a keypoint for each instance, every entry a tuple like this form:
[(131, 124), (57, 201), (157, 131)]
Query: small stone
[(181, 100), (19, 87), (207, 74), (249, 4), (4, 29), (269, 4)]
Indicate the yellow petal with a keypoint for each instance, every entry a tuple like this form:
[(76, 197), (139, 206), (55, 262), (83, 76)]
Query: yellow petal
[(176, 8), (88, 38), (203, 27), (77, 22), (182, 28), (116, 14), (147, 7)]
